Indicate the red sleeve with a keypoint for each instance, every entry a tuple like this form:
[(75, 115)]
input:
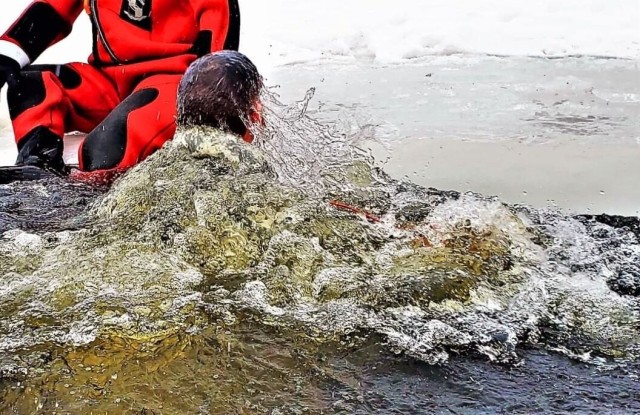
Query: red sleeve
[(222, 19), (42, 24)]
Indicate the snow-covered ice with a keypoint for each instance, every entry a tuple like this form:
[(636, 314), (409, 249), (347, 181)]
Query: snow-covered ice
[(283, 31)]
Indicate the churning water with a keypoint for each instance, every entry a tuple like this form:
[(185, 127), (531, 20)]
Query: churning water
[(292, 276)]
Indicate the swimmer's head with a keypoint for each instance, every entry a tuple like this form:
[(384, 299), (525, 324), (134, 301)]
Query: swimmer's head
[(221, 90)]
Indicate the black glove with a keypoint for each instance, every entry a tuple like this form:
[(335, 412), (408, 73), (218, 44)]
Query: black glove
[(8, 68)]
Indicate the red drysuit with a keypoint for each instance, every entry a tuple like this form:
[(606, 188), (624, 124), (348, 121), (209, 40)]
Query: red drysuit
[(125, 97)]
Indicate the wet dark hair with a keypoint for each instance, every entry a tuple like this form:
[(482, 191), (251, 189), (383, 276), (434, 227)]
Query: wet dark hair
[(219, 90)]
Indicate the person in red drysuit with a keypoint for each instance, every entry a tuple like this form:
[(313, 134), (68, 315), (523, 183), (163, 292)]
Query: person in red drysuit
[(125, 97)]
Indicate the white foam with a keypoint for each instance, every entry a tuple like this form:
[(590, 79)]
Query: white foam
[(22, 241)]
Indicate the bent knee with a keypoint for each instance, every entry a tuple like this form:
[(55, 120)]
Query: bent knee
[(110, 144)]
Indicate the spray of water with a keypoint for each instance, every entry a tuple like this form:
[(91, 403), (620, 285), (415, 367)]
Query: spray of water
[(307, 155)]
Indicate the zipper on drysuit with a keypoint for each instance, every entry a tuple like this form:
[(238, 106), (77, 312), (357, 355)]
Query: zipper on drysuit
[(91, 8)]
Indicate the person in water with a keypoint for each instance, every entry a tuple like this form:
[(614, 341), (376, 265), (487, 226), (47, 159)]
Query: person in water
[(221, 90), (125, 97)]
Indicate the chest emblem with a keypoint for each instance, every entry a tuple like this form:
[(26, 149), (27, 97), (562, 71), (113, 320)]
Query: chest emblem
[(137, 12)]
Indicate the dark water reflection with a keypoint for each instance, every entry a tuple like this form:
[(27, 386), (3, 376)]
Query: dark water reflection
[(545, 383), (258, 371)]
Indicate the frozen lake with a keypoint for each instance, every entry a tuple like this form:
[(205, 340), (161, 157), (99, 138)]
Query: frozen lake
[(545, 132)]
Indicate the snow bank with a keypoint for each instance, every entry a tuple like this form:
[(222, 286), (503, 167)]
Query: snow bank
[(278, 32), (283, 31)]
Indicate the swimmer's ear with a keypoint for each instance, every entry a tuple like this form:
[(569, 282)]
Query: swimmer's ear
[(255, 118), (255, 114), (248, 136)]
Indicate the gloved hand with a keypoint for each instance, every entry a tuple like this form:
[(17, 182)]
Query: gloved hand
[(8, 67)]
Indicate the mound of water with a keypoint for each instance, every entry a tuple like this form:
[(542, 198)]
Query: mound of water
[(313, 240)]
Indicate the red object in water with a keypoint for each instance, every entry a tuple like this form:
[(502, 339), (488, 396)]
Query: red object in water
[(96, 178), (354, 209)]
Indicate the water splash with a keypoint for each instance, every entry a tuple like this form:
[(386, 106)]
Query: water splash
[(211, 234), (308, 155)]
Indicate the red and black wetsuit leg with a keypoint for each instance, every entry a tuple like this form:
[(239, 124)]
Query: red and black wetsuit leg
[(137, 127), (45, 101), (38, 103)]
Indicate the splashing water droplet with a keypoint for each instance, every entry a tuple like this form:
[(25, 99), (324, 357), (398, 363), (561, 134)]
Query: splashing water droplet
[(306, 154)]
